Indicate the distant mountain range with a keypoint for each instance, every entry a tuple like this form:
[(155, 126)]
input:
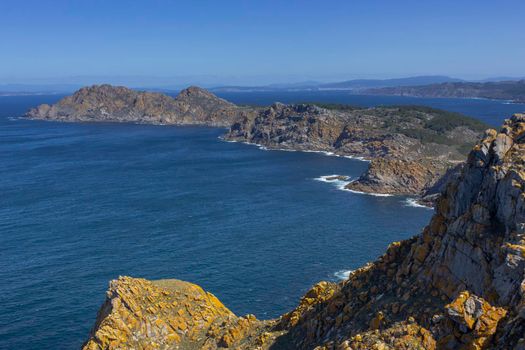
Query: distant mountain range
[(501, 90), (506, 88), (512, 89), (354, 85)]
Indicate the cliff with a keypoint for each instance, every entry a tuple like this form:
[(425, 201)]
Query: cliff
[(457, 285), (106, 103), (502, 90), (410, 147)]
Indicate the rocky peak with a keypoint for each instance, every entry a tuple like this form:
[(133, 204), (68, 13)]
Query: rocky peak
[(478, 229), (195, 94)]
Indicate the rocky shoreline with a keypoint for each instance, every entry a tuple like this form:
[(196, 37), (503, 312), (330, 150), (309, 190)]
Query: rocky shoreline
[(459, 284), (409, 148)]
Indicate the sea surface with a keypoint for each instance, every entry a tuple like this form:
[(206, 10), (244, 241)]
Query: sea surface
[(81, 204)]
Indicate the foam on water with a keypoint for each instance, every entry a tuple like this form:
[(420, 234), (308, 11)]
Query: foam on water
[(411, 202), (340, 184), (326, 153), (343, 274), (369, 193)]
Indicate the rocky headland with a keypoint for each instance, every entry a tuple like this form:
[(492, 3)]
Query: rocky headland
[(459, 284), (410, 147)]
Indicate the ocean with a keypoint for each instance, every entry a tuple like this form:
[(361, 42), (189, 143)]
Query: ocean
[(81, 204)]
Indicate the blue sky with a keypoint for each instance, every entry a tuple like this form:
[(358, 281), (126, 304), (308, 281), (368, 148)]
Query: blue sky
[(258, 41)]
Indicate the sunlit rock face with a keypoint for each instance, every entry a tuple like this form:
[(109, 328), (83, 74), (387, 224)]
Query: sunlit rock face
[(106, 103), (457, 285)]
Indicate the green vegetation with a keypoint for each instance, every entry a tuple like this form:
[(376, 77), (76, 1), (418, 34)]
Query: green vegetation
[(443, 121), (435, 125)]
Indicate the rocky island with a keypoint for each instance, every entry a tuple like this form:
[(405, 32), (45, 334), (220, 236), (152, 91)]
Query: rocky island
[(411, 148), (106, 103), (459, 284)]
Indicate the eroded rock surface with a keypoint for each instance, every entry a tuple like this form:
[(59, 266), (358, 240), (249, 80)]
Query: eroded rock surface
[(168, 314), (410, 147), (457, 285)]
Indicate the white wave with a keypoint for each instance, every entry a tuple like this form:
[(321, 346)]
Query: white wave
[(363, 159), (340, 184), (12, 119), (370, 193), (330, 178), (343, 274), (411, 202), (326, 153)]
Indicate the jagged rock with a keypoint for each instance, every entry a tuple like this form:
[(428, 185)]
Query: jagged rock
[(139, 314), (398, 176), (409, 151)]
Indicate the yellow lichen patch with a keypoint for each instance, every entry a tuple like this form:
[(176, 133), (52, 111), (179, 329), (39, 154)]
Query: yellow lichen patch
[(477, 316), (148, 315)]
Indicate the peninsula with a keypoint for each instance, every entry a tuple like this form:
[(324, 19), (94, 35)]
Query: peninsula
[(411, 148)]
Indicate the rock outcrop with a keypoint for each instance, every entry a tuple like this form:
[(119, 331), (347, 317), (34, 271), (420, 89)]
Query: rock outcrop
[(106, 103), (410, 147), (457, 285), (167, 314)]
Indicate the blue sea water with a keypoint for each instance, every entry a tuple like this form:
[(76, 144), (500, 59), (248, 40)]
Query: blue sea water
[(81, 204)]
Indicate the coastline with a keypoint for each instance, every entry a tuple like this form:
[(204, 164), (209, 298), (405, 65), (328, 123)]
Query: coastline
[(272, 148)]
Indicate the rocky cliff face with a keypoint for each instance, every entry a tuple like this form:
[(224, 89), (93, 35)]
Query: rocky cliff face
[(106, 103), (410, 147), (167, 314), (457, 285)]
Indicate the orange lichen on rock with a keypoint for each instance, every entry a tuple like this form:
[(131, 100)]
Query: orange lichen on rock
[(458, 285)]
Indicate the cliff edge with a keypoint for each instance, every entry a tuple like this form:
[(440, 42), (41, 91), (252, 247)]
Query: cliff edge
[(457, 285)]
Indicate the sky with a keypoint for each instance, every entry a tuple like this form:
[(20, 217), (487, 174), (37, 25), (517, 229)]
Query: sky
[(258, 41)]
